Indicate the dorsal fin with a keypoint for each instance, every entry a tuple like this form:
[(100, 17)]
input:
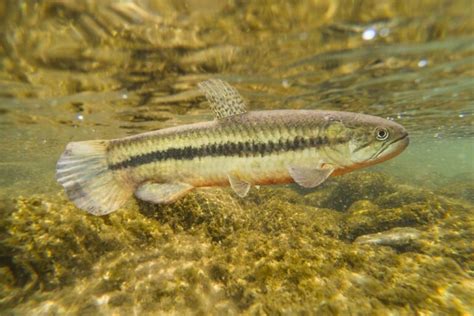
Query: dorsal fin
[(225, 100)]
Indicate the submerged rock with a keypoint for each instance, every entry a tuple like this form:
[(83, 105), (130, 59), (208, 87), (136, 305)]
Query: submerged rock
[(463, 189), (212, 253), (395, 237), (406, 207), (357, 186), (362, 207), (405, 195)]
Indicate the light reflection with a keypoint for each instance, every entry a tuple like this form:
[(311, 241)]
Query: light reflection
[(422, 63), (369, 34)]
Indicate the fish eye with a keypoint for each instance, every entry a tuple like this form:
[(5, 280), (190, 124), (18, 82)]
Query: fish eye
[(381, 133)]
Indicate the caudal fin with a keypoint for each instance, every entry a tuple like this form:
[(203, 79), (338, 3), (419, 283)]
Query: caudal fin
[(83, 172)]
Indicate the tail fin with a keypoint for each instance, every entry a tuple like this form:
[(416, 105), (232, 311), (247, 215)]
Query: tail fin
[(83, 172)]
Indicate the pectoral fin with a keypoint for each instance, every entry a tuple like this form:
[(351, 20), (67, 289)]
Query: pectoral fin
[(239, 186), (309, 177), (162, 192)]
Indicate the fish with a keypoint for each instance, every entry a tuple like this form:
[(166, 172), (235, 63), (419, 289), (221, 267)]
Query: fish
[(239, 148)]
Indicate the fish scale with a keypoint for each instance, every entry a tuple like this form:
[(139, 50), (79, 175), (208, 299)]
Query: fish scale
[(233, 140)]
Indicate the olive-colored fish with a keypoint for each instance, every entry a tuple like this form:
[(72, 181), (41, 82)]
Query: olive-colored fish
[(238, 148)]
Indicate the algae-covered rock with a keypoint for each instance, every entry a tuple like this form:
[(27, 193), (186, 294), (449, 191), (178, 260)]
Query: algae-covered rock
[(214, 211), (214, 253), (403, 207), (357, 186), (363, 207), (409, 215), (463, 189), (413, 278), (62, 243), (452, 237), (405, 195)]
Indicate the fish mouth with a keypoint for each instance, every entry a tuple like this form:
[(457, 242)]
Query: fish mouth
[(397, 146)]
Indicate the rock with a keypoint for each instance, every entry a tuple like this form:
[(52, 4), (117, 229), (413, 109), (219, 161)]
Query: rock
[(405, 195), (213, 253), (406, 207), (356, 186), (377, 220), (396, 237), (463, 189), (362, 207)]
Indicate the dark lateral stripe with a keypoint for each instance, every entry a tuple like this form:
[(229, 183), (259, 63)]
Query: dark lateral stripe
[(238, 149)]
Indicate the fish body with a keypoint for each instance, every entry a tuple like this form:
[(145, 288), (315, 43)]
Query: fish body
[(257, 147), (239, 148)]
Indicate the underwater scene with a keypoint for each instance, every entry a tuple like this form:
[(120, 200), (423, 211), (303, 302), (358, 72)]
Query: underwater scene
[(180, 234)]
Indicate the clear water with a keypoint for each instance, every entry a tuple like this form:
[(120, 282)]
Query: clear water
[(102, 69)]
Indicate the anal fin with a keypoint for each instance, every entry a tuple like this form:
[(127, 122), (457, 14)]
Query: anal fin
[(239, 186), (309, 177), (162, 193)]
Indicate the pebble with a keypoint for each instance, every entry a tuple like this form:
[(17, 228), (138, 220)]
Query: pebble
[(395, 237)]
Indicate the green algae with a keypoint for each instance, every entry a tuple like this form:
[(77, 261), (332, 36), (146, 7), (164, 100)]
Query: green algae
[(212, 253), (357, 186)]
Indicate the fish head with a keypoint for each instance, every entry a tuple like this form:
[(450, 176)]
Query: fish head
[(375, 140)]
